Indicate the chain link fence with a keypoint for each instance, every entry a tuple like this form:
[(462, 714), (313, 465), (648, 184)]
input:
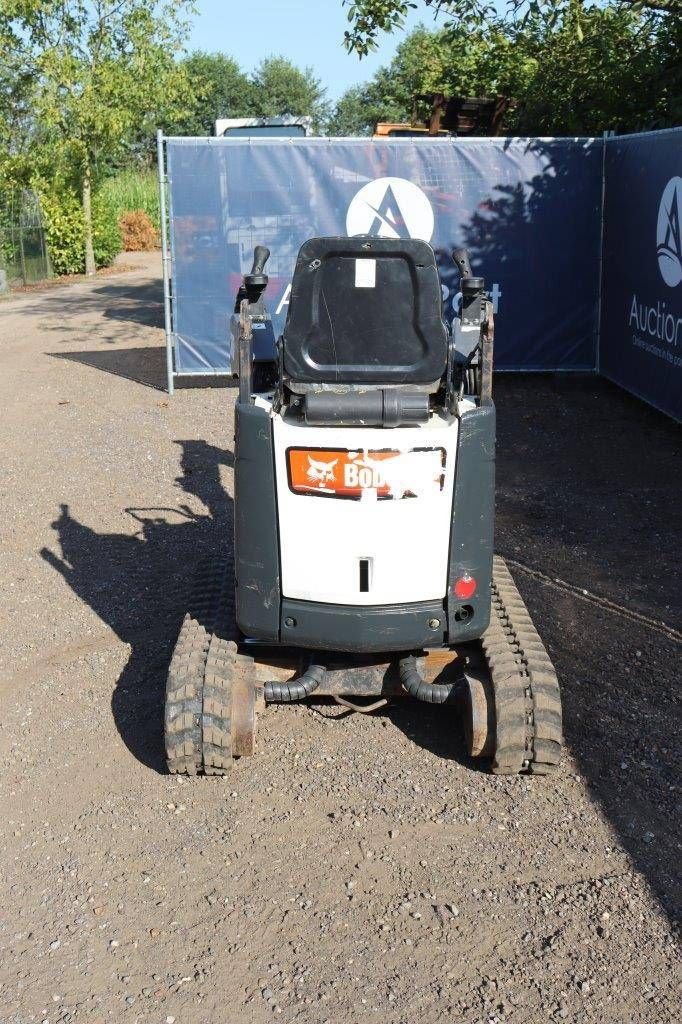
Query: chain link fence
[(23, 250)]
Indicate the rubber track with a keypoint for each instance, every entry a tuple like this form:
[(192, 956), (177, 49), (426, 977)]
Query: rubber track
[(184, 702), (526, 690), (204, 666)]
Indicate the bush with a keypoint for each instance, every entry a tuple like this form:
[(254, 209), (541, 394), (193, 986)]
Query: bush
[(106, 233), (137, 230), (63, 217), (134, 190), (65, 231)]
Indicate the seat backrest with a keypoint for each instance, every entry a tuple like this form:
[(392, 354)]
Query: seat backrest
[(365, 311)]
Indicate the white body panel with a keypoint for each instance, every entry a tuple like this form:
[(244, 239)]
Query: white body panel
[(405, 539)]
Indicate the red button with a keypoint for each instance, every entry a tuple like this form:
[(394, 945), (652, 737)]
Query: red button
[(465, 586)]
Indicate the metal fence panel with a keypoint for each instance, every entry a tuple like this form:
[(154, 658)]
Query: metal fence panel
[(529, 210), (23, 250), (641, 321)]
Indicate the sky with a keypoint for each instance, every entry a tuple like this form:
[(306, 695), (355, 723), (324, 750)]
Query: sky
[(308, 32)]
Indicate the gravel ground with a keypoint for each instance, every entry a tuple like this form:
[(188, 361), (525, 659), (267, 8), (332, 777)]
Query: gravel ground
[(358, 868)]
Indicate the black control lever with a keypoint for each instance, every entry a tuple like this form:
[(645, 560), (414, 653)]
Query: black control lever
[(257, 278), (254, 283), (473, 294), (461, 258)]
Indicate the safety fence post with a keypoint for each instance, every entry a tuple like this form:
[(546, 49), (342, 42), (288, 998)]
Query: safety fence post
[(165, 261)]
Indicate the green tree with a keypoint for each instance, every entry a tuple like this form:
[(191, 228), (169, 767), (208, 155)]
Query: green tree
[(609, 78), (623, 74), (221, 89), (279, 87), (369, 18), (102, 70), (453, 61), (16, 89), (358, 110)]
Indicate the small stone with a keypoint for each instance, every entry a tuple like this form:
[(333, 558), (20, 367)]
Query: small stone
[(268, 994), (584, 987), (114, 943), (416, 915), (55, 944), (130, 1000), (154, 933), (170, 1020), (98, 911)]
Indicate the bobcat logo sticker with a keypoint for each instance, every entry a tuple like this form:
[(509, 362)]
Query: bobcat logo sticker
[(390, 208), (668, 240), (320, 473), (367, 475)]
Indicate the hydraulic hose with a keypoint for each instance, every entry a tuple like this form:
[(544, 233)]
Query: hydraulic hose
[(416, 685), (295, 689)]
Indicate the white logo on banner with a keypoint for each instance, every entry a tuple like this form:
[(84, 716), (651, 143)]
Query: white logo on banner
[(390, 208), (668, 240)]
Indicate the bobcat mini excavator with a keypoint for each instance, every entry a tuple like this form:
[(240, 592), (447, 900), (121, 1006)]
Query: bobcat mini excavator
[(363, 520)]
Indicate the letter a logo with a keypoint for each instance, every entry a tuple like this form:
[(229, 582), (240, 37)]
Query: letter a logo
[(389, 219), (668, 239), (390, 208)]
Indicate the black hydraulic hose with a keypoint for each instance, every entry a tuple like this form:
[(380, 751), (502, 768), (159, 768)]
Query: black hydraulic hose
[(295, 689), (416, 685)]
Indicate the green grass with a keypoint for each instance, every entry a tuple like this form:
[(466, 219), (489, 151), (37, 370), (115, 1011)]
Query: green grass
[(133, 190)]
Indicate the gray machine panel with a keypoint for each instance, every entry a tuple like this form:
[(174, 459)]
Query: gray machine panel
[(473, 517), (256, 533)]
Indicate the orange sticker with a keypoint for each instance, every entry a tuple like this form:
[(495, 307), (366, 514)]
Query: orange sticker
[(339, 473)]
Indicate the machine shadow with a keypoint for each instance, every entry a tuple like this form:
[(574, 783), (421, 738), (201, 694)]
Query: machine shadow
[(139, 584)]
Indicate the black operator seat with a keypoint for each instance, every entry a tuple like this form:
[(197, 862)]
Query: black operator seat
[(365, 313)]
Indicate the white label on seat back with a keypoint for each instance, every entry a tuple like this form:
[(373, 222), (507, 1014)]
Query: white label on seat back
[(365, 273)]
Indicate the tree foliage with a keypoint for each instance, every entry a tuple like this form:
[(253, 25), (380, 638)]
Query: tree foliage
[(370, 18), (622, 74), (279, 87), (615, 76), (101, 71), (221, 89)]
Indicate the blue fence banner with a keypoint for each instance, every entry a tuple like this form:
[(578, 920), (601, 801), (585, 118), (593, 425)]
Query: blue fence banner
[(528, 210), (641, 321)]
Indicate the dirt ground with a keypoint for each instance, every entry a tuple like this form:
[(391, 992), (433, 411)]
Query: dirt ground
[(358, 868)]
